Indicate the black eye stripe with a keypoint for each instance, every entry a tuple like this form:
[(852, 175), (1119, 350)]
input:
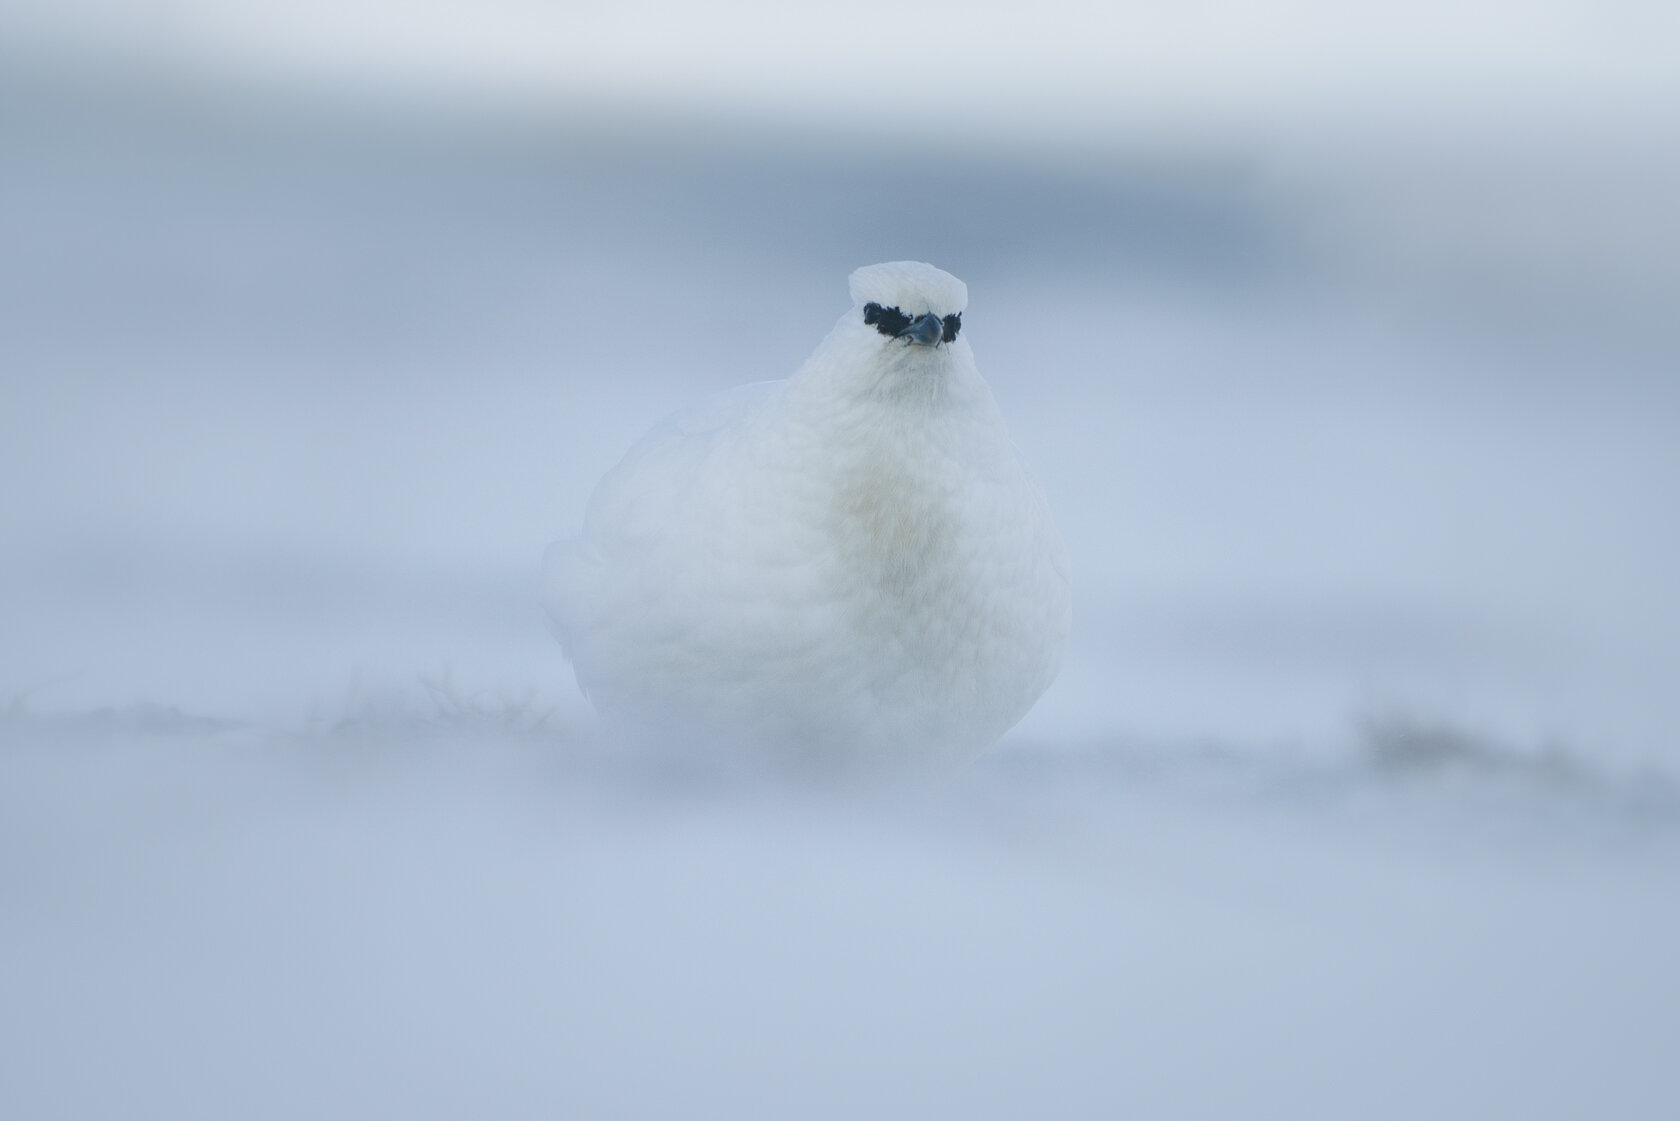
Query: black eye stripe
[(890, 321), (887, 320)]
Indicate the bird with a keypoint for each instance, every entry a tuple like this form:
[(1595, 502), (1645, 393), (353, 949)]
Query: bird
[(851, 563)]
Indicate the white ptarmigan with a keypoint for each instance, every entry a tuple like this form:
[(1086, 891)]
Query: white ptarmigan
[(850, 561)]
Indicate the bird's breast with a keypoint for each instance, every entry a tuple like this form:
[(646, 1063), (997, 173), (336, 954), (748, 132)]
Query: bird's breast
[(891, 526)]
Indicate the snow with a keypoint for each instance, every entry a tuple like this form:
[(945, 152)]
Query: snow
[(1355, 797), (388, 918)]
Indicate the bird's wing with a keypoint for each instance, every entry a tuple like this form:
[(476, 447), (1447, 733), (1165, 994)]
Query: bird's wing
[(639, 501), (642, 496)]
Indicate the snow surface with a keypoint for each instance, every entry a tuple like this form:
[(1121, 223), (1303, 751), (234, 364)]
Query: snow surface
[(1355, 797)]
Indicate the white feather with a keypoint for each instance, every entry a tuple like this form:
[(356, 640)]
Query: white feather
[(851, 559)]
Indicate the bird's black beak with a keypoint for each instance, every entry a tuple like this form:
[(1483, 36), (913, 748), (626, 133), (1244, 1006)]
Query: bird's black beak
[(924, 330)]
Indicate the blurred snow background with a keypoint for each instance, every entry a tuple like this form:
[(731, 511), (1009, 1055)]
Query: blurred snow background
[(1343, 340)]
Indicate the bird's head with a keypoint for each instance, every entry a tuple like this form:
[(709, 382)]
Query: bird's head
[(909, 304), (902, 340)]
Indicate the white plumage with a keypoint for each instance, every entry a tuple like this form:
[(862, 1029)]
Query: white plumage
[(851, 560)]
